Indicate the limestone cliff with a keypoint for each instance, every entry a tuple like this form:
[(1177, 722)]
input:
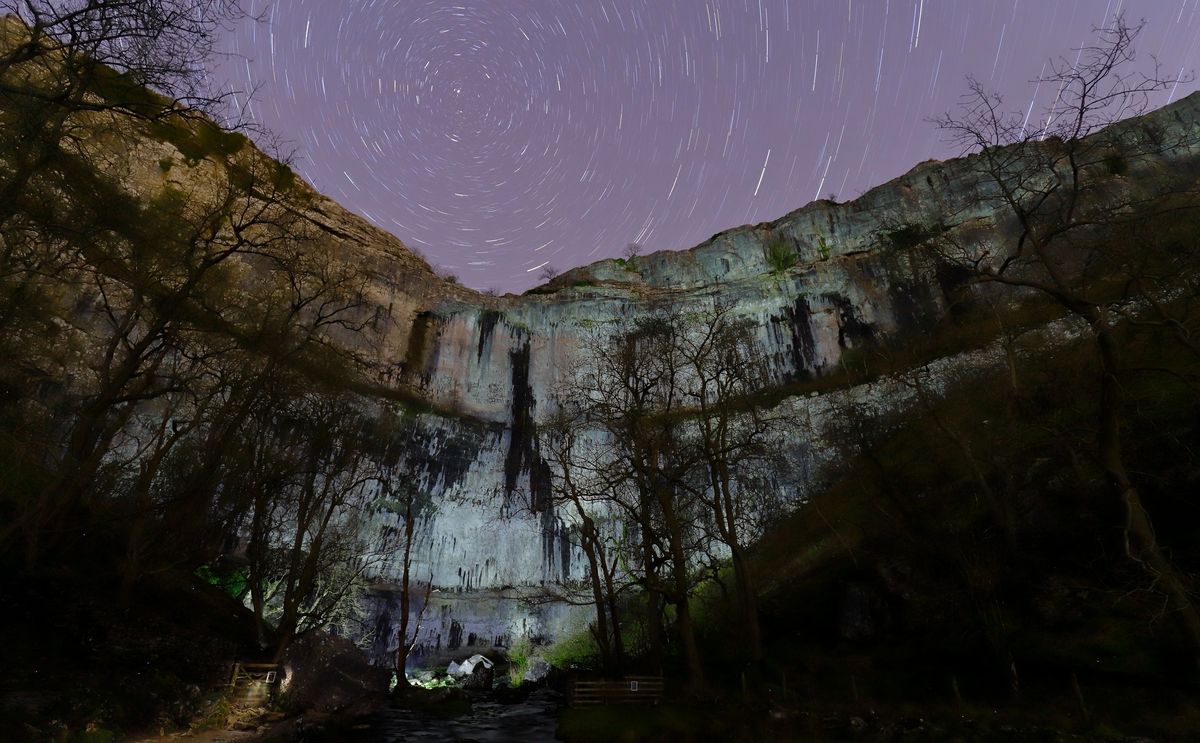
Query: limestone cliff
[(474, 375)]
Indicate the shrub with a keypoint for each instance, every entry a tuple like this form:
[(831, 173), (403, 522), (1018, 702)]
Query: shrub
[(910, 235), (573, 651), (518, 660), (780, 255)]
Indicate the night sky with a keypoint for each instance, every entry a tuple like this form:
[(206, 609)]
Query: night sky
[(496, 136)]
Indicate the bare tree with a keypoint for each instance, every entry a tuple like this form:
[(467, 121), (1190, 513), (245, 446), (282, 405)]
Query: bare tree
[(402, 498), (734, 438), (631, 387), (1062, 201), (145, 59), (574, 466), (151, 274)]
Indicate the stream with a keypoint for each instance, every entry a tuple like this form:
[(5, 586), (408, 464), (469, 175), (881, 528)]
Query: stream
[(530, 721)]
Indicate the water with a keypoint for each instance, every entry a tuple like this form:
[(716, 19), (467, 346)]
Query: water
[(530, 721)]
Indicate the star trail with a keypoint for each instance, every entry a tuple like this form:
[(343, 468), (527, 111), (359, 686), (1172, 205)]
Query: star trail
[(499, 137)]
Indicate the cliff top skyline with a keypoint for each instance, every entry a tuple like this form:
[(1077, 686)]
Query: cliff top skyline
[(505, 140)]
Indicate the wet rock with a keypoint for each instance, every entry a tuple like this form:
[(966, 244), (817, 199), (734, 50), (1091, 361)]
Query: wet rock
[(481, 678), (445, 701)]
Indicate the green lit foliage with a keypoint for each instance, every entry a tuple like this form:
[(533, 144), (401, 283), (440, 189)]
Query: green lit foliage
[(574, 652), (437, 682), (233, 583), (518, 660)]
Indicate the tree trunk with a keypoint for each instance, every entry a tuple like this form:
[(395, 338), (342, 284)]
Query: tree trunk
[(749, 609), (691, 652), (402, 644), (614, 613), (603, 641), (1141, 543)]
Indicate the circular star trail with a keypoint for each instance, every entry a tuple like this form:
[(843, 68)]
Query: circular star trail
[(501, 136)]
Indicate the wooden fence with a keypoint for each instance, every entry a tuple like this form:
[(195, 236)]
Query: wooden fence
[(252, 683), (630, 690)]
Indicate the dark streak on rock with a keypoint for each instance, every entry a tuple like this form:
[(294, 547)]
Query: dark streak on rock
[(803, 343), (487, 326)]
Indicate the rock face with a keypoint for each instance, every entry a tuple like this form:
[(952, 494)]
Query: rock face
[(489, 366), (477, 374)]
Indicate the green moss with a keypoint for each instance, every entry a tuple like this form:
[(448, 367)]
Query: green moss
[(823, 247), (582, 284)]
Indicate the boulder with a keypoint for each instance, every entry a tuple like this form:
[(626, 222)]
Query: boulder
[(481, 677), (538, 669), (329, 674), (467, 667)]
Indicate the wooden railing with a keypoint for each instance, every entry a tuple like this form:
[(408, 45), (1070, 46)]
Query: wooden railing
[(252, 683), (630, 690)]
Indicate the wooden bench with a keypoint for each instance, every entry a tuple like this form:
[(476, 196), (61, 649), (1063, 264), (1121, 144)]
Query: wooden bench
[(630, 690)]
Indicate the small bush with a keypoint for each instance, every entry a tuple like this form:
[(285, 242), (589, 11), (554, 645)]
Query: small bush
[(911, 235), (575, 651), (283, 177), (518, 660), (780, 255)]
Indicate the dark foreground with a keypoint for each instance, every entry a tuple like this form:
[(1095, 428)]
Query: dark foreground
[(489, 721)]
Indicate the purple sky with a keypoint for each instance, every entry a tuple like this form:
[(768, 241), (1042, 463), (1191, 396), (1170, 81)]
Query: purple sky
[(496, 136)]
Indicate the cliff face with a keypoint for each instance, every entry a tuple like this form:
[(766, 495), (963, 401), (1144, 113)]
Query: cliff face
[(490, 366), (475, 375)]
